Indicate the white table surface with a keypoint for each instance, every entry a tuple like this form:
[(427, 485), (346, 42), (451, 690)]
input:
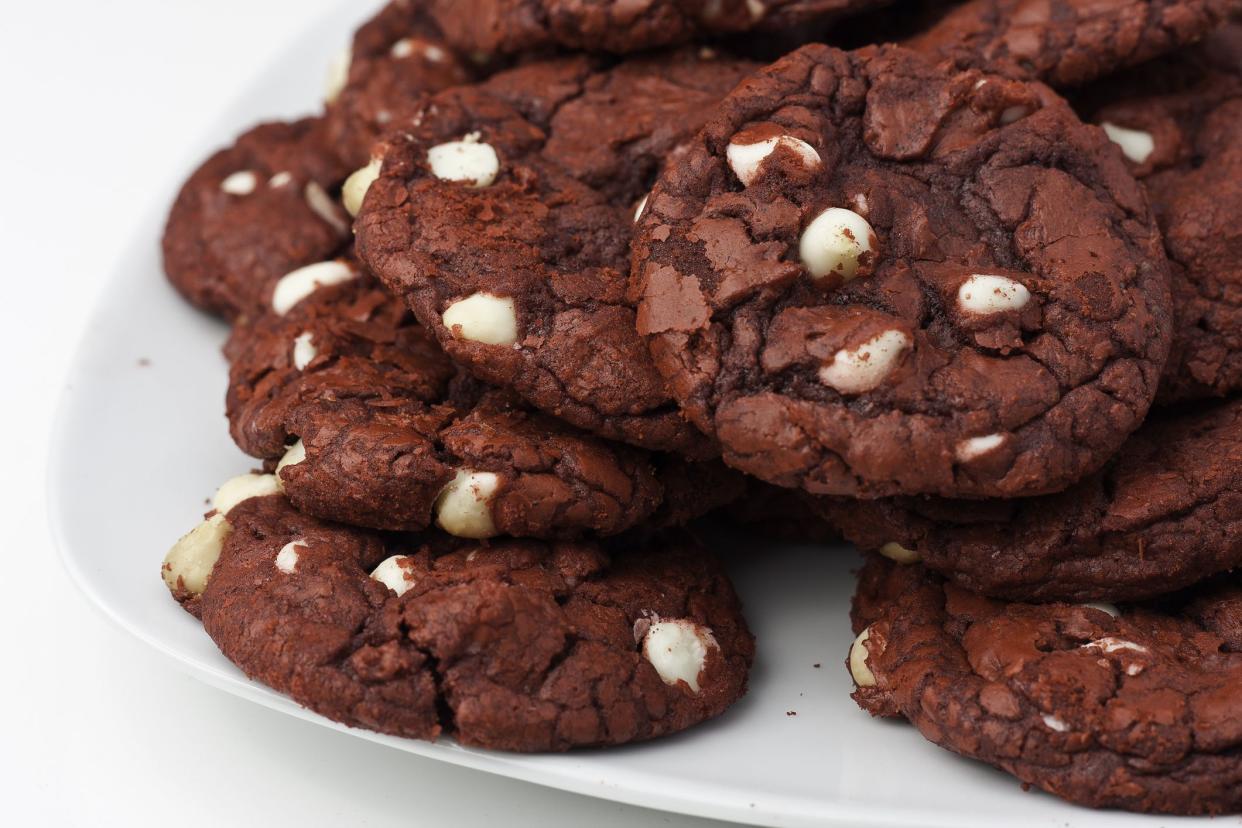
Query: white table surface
[(99, 101)]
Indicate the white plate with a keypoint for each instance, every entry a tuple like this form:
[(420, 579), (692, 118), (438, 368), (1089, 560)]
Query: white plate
[(141, 443)]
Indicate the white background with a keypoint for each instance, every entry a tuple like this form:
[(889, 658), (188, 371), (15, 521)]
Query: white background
[(101, 103)]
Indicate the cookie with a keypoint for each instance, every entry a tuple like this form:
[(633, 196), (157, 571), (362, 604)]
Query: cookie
[(252, 213), (395, 60), (514, 26), (1068, 42), (371, 426), (513, 645), (1177, 121), (861, 278), (1162, 515), (503, 215), (1133, 707)]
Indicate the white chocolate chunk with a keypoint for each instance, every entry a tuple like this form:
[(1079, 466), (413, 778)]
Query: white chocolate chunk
[(746, 159), (897, 552), (280, 179), (338, 74), (1111, 609), (296, 286), (854, 371), (1055, 723), (295, 454), (356, 186), (240, 183), (859, 670), (1134, 669), (834, 242), (757, 9), (642, 205), (322, 205), (287, 557), (394, 573), (483, 317), (1109, 644), (974, 447), (468, 160), (243, 487), (1014, 113), (1135, 144), (304, 350), (188, 564), (463, 506), (403, 48), (677, 649), (983, 293)]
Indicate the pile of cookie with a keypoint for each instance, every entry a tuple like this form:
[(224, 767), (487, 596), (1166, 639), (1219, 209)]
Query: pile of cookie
[(547, 284)]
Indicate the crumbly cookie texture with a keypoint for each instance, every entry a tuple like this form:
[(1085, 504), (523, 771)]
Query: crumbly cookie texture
[(503, 215), (1068, 42), (898, 301), (513, 645), (1134, 707), (1165, 513)]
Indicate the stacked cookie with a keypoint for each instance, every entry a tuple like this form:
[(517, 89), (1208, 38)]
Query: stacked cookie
[(546, 282)]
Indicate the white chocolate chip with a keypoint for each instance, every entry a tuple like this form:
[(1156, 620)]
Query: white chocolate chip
[(1109, 644), (434, 53), (304, 350), (1055, 723), (707, 53), (861, 673), (896, 552), (287, 557), (296, 286), (746, 159), (243, 487), (463, 506), (1111, 609), (677, 649), (1135, 144), (984, 293), (356, 186), (189, 563), (395, 574), (403, 48), (642, 205), (483, 317), (338, 74), (862, 207), (835, 243), (280, 179), (468, 160), (1014, 113), (853, 371), (974, 447), (322, 205), (1134, 669), (757, 9), (294, 455), (240, 183)]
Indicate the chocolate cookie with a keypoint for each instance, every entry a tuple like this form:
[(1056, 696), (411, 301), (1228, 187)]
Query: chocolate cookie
[(512, 26), (515, 645), (503, 215), (1162, 515), (371, 428), (395, 60), (1134, 708), (862, 279), (1068, 42), (1177, 122), (252, 213)]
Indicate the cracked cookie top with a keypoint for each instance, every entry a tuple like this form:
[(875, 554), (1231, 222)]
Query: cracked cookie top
[(512, 645), (871, 275), (503, 214), (1133, 707)]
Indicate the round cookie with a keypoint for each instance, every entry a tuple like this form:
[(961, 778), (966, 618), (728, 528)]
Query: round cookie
[(1177, 122), (395, 60), (514, 26), (503, 215), (1068, 42), (252, 213), (370, 425), (513, 645), (1162, 515), (1133, 707), (862, 279)]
